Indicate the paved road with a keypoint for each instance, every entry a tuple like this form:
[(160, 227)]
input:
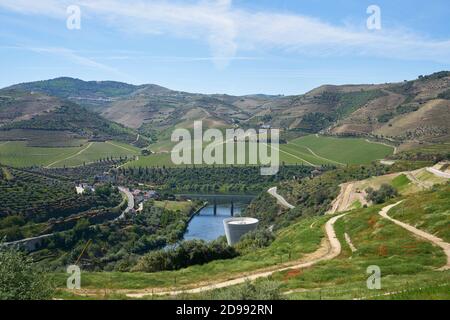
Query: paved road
[(130, 198), (422, 234), (273, 192)]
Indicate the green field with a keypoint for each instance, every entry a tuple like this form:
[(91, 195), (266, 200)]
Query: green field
[(18, 154), (309, 150)]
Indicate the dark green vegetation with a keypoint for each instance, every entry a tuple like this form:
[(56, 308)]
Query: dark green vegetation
[(20, 279), (34, 204), (43, 200), (407, 263), (115, 245), (383, 194), (197, 252), (348, 102), (210, 179), (187, 253)]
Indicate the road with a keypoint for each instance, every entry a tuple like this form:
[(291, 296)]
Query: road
[(422, 234), (439, 173), (342, 201), (273, 192), (130, 199)]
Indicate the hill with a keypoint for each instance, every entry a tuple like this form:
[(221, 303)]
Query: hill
[(405, 114), (44, 120), (19, 105)]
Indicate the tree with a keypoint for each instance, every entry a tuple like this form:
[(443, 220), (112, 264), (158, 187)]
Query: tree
[(20, 279), (381, 195)]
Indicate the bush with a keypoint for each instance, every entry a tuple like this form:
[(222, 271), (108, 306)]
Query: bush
[(383, 194), (19, 278), (253, 240), (185, 254)]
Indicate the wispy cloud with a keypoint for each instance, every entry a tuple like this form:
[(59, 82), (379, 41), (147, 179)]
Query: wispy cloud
[(228, 29), (69, 55)]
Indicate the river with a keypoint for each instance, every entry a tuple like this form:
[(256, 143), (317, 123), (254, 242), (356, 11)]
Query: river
[(207, 226)]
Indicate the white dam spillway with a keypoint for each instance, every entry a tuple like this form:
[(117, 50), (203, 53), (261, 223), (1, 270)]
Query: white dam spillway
[(235, 228)]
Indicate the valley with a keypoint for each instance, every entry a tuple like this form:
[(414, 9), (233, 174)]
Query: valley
[(85, 168)]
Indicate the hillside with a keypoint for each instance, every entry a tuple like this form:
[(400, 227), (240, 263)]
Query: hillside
[(405, 114), (88, 93), (18, 105), (58, 125)]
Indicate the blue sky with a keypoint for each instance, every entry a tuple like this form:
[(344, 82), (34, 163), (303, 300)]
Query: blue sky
[(224, 46)]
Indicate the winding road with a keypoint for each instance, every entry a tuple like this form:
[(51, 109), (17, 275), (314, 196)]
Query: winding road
[(282, 201), (130, 205), (422, 234)]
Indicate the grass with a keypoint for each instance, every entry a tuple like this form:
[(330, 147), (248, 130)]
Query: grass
[(344, 150), (18, 154), (429, 211), (400, 182), (184, 206), (310, 150)]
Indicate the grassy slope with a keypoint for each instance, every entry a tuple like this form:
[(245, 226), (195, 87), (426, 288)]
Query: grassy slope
[(429, 211), (405, 261), (17, 154)]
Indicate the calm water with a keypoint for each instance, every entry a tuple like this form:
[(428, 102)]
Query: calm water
[(207, 226)]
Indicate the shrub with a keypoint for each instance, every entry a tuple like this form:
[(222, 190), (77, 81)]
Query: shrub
[(185, 254), (20, 279), (381, 195)]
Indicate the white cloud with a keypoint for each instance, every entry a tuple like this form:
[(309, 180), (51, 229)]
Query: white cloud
[(69, 55), (228, 29)]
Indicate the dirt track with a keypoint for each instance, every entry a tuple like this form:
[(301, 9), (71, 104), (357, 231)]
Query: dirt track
[(422, 234)]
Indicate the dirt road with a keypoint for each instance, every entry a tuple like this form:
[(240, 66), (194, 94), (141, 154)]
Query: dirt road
[(422, 234)]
